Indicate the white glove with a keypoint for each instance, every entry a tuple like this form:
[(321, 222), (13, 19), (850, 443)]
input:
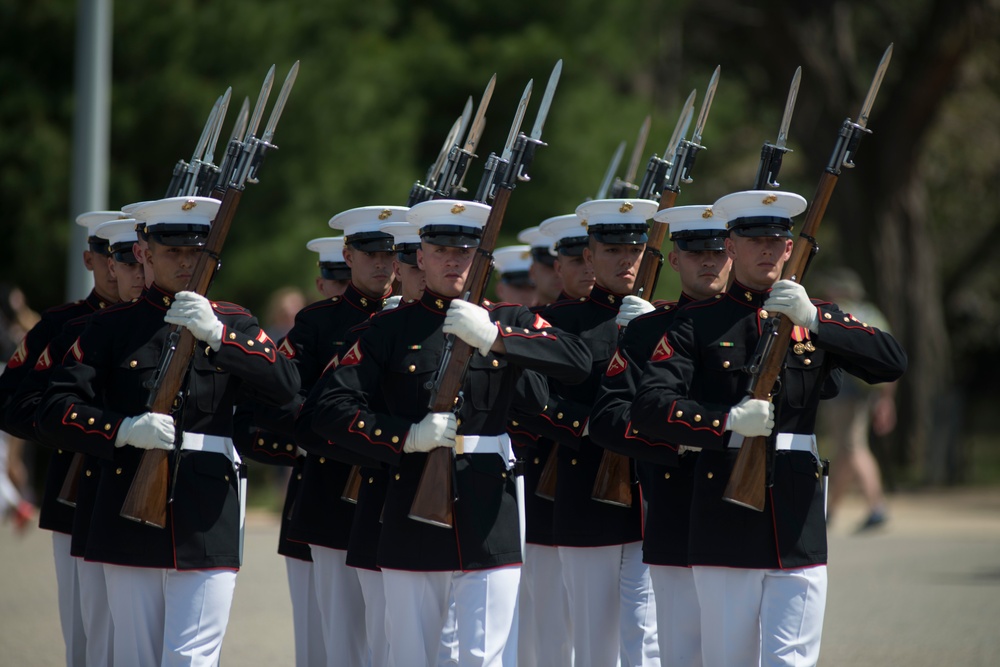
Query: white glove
[(751, 417), (472, 324), (631, 308), (436, 429), (193, 312), (790, 299), (150, 430), (392, 302)]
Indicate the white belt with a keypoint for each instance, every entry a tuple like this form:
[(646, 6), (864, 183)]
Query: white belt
[(796, 442), (486, 444), (216, 444), (684, 449)]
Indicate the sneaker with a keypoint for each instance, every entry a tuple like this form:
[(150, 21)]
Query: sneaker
[(875, 520)]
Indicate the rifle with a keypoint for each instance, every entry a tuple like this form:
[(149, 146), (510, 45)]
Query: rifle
[(149, 494), (748, 479), (434, 499), (623, 188), (613, 484)]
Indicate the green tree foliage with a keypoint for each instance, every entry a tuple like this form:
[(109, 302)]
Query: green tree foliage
[(382, 81)]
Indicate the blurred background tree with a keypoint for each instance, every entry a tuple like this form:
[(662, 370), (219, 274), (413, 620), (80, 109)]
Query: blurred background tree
[(381, 82)]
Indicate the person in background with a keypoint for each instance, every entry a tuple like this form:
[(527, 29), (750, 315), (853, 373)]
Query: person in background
[(513, 263), (548, 285), (858, 410)]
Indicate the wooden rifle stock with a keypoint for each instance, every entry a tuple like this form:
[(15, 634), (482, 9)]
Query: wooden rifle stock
[(613, 484), (748, 479), (546, 487), (352, 487), (70, 486), (435, 497), (146, 501)]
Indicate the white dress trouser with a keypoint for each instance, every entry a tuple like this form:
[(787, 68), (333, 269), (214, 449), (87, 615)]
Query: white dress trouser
[(544, 632), (678, 618), (612, 610), (485, 608), (68, 589), (96, 613), (307, 624), (774, 617), (375, 623), (169, 617), (341, 606), (448, 653)]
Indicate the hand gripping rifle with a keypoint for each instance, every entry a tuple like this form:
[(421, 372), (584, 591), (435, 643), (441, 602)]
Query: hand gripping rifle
[(613, 484), (149, 494), (434, 499), (748, 479)]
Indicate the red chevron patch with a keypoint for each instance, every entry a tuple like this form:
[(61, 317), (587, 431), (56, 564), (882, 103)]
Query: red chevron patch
[(286, 349), (663, 350), (20, 354), (541, 323), (76, 350), (617, 365), (353, 355), (44, 360)]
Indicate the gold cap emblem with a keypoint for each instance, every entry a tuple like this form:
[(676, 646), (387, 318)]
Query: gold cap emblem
[(583, 223), (707, 213), (526, 254), (770, 199), (384, 215), (188, 205), (626, 207), (457, 208)]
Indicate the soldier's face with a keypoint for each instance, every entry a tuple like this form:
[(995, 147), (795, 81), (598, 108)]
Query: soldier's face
[(548, 285), (104, 281), (615, 265), (411, 279), (131, 278), (577, 276), (172, 265), (703, 273), (758, 260), (445, 268), (371, 272), (139, 250)]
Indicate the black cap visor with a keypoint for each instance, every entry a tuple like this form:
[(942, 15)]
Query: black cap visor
[(762, 226), (454, 236)]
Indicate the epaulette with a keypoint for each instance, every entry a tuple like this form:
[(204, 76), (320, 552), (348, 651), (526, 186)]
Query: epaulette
[(322, 303), (228, 308)]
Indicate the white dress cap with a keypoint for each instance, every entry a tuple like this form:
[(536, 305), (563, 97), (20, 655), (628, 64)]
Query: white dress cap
[(450, 222), (117, 231), (196, 211), (403, 233), (692, 218), (94, 219), (759, 208), (512, 259), (568, 233), (362, 226), (330, 248), (535, 237)]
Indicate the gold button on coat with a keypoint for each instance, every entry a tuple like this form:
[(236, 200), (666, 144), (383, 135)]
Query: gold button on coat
[(666, 475), (710, 475), (361, 424)]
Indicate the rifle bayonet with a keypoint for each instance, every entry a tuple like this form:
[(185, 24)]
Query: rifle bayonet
[(624, 187), (609, 175), (279, 104), (687, 150), (866, 106), (851, 132), (658, 168), (459, 155), (772, 154), (258, 108), (515, 126), (495, 163), (543, 109)]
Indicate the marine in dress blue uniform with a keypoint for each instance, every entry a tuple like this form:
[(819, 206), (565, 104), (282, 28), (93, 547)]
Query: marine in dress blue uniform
[(612, 610), (392, 365), (54, 516), (542, 272), (760, 576), (169, 589), (665, 470)]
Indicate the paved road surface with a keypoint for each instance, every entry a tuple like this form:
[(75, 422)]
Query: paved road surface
[(923, 591)]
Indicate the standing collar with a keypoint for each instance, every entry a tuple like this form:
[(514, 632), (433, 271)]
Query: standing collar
[(435, 302), (747, 295), (159, 296), (361, 301), (95, 301), (605, 297)]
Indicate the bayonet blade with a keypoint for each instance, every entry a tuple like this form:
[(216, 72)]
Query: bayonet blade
[(515, 127), (706, 104), (466, 115), (476, 131), (681, 128), (449, 141), (609, 175), (640, 145), (258, 109), (543, 110), (199, 148), (786, 119), (873, 89), (217, 130), (240, 126), (279, 104), (684, 130)]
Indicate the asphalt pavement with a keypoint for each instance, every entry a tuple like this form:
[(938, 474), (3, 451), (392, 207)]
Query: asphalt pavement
[(923, 590)]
